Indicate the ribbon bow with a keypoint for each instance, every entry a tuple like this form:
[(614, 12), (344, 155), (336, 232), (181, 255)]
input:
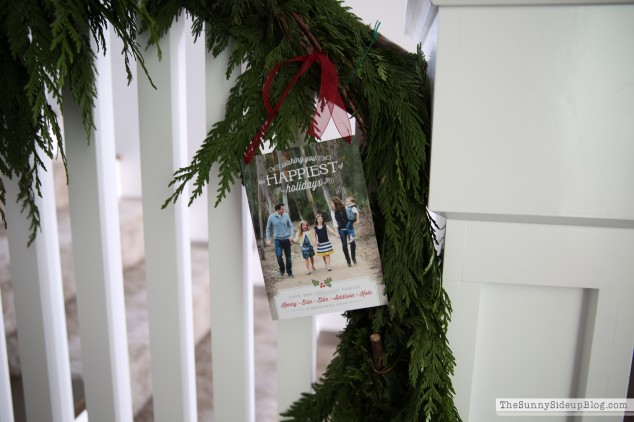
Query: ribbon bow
[(329, 102)]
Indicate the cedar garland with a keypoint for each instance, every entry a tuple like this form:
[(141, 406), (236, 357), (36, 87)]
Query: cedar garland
[(45, 49), (44, 45)]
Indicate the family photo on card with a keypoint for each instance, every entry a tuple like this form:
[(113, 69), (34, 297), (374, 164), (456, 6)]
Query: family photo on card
[(313, 227)]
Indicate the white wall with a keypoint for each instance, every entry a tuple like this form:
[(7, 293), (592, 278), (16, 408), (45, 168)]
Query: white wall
[(126, 129), (392, 19), (532, 163)]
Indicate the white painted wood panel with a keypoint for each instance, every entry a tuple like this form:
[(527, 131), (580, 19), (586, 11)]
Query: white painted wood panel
[(609, 355), (526, 345), (532, 162), (539, 254), (462, 335), (532, 112)]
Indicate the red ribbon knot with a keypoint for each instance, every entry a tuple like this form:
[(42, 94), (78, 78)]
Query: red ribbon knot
[(329, 103)]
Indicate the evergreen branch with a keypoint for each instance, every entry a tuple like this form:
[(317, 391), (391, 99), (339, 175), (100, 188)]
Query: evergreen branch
[(44, 47)]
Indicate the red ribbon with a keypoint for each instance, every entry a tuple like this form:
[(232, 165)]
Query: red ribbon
[(329, 102)]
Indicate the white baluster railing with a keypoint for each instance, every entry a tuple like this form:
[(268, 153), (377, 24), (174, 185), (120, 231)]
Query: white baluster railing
[(39, 307), (167, 247), (97, 253), (230, 288), (6, 398), (166, 126)]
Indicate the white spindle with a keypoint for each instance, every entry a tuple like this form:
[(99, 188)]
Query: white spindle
[(97, 254), (39, 307), (231, 310), (167, 247), (192, 112), (231, 290), (6, 402)]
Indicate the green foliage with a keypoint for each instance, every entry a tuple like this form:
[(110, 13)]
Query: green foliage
[(321, 284), (45, 48), (391, 95)]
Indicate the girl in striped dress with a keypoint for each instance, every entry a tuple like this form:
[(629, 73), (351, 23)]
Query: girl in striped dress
[(324, 247)]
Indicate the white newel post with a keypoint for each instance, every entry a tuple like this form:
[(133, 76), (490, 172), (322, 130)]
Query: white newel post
[(532, 164), (39, 306), (96, 245), (167, 247)]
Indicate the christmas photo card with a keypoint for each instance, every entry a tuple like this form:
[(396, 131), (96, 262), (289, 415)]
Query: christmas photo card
[(313, 226)]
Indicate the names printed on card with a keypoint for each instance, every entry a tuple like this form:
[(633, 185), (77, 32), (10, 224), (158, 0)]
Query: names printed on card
[(357, 293), (324, 299)]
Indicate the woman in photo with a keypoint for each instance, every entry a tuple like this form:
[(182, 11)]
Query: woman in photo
[(324, 247), (305, 240)]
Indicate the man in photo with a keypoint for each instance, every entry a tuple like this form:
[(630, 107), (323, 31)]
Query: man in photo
[(280, 224)]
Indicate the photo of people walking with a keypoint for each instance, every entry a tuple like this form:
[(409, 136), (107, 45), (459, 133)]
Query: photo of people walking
[(313, 244)]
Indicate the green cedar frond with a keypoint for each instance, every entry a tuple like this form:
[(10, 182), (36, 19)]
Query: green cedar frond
[(45, 46)]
